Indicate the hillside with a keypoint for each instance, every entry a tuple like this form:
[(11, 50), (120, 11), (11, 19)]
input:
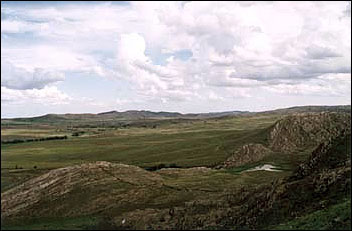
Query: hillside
[(92, 180), (307, 129), (303, 109), (146, 200), (301, 131), (200, 177)]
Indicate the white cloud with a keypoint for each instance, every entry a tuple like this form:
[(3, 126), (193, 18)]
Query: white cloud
[(18, 78), (324, 85), (15, 26), (47, 95), (213, 96), (47, 57), (286, 48)]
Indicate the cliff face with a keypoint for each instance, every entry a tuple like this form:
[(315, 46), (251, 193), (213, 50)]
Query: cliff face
[(301, 130)]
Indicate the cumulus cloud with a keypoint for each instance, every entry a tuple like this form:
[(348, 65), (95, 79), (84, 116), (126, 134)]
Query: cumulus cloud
[(47, 95), (151, 80), (15, 26), (316, 52), (13, 77), (328, 84), (235, 48), (250, 45)]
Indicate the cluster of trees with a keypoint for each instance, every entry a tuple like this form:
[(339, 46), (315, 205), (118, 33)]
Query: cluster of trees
[(15, 141)]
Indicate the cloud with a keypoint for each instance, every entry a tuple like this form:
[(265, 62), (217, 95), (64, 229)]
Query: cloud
[(213, 96), (15, 26), (233, 48), (336, 85), (47, 57), (13, 77), (149, 79), (47, 95), (316, 52)]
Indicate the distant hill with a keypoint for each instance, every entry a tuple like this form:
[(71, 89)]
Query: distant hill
[(133, 115), (300, 109), (218, 114)]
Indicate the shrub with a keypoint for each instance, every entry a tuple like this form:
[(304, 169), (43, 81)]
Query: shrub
[(15, 141)]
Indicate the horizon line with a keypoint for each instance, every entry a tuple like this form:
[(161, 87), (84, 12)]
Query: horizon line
[(254, 111)]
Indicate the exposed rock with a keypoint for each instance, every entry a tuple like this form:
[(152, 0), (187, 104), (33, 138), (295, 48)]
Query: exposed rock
[(307, 129), (315, 181), (293, 132), (102, 187), (328, 155), (248, 153), (60, 184)]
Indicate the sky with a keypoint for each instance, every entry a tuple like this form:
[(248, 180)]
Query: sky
[(189, 57)]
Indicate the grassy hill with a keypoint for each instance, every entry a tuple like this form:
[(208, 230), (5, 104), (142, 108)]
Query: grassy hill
[(97, 177)]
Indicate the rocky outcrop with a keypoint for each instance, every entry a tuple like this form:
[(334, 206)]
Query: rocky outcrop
[(91, 180), (328, 155), (292, 133), (307, 129), (315, 184), (262, 206), (248, 153)]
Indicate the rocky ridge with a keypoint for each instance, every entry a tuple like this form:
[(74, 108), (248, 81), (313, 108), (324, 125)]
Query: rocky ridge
[(297, 131), (60, 182), (300, 130), (247, 154)]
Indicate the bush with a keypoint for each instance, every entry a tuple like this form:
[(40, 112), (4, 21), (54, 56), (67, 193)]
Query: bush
[(15, 141)]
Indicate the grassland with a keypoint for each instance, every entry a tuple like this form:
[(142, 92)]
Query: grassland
[(186, 144), (179, 186), (336, 217), (79, 223), (24, 133)]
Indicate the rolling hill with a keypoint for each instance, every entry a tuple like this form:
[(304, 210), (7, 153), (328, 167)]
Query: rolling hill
[(181, 174)]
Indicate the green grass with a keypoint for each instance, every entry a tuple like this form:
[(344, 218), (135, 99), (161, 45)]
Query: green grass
[(14, 177), (197, 144), (336, 217), (238, 170), (187, 144), (43, 223), (28, 133), (281, 161), (184, 143)]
